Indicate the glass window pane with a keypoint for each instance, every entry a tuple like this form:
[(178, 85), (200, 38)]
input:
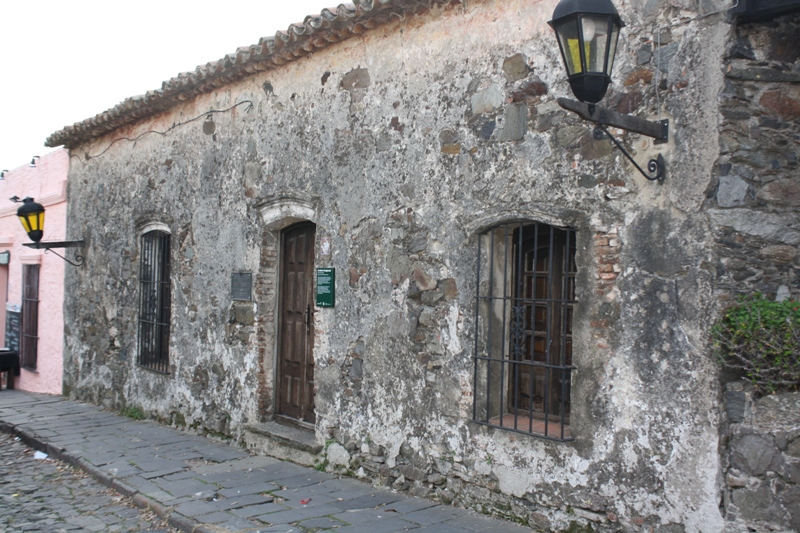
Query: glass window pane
[(613, 51), (595, 35), (568, 36)]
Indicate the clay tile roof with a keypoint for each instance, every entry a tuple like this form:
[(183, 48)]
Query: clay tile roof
[(316, 32)]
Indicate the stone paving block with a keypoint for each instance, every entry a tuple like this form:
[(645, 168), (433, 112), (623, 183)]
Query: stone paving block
[(305, 479), (473, 522), (149, 463), (214, 518), (444, 527), (360, 516), (434, 515), (183, 456), (343, 483), (278, 529), (322, 523), (253, 488), (293, 500), (255, 510), (283, 470), (222, 455), (162, 473), (368, 501), (382, 525), (198, 508), (183, 487), (228, 479), (88, 522), (121, 469), (238, 523), (294, 515), (188, 474), (409, 505)]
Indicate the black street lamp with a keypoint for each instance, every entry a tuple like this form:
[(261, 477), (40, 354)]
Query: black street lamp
[(31, 214), (587, 32)]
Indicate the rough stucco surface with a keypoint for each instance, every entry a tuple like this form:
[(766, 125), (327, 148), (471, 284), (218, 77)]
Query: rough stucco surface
[(46, 183), (402, 145)]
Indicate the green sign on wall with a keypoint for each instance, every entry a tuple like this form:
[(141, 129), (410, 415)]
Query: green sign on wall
[(326, 287)]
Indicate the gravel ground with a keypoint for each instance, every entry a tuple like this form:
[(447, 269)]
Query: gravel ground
[(43, 495)]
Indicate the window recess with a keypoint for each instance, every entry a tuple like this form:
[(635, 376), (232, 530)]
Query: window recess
[(154, 301), (524, 307)]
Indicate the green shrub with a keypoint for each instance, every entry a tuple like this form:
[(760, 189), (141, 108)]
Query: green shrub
[(760, 339), (133, 412)]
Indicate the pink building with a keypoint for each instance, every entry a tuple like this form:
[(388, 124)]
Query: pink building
[(32, 281)]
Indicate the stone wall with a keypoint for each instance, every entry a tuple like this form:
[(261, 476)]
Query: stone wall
[(754, 208), (402, 145), (761, 460), (756, 199)]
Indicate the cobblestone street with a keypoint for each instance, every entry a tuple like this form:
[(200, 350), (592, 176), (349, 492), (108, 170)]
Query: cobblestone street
[(43, 495), (193, 483)]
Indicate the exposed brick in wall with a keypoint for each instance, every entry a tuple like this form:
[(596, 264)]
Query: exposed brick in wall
[(266, 294), (606, 258)]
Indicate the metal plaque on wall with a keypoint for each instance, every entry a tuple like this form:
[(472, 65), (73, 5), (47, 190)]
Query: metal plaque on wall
[(242, 286), (326, 287)]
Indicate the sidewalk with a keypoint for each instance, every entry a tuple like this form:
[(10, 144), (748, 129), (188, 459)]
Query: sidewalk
[(199, 485)]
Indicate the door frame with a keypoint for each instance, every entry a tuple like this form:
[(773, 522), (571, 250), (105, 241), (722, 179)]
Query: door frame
[(277, 213), (280, 321)]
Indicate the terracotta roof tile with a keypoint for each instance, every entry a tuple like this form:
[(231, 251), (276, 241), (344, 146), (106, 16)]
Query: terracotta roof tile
[(316, 32)]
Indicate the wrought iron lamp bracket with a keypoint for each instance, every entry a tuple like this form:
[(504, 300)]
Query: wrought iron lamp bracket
[(657, 167), (48, 247), (658, 130)]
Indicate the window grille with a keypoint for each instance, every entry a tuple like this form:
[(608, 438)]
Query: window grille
[(154, 301), (30, 316), (523, 345)]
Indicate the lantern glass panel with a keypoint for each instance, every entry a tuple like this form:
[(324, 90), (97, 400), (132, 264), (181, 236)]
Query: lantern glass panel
[(25, 224), (613, 49), (595, 38), (570, 46)]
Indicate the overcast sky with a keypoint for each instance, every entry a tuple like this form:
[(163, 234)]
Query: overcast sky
[(62, 62)]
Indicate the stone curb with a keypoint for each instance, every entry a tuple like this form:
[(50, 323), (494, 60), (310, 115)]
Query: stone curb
[(174, 519)]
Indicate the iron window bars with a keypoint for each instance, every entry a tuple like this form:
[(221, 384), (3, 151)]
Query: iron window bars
[(30, 316), (154, 301), (523, 344)]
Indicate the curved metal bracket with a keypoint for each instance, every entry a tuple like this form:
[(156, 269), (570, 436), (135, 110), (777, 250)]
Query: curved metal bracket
[(657, 167), (79, 259), (48, 247), (658, 130)]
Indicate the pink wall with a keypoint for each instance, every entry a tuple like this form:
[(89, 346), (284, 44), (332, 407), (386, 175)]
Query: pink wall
[(47, 184)]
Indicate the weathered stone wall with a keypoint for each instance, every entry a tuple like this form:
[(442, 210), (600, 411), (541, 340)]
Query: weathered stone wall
[(402, 146), (754, 210), (757, 195), (761, 459)]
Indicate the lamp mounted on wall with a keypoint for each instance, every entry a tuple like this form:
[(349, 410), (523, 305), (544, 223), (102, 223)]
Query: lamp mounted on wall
[(587, 32), (33, 161), (31, 215), (3, 174)]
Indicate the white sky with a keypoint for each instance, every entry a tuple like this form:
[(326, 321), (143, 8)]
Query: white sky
[(63, 61)]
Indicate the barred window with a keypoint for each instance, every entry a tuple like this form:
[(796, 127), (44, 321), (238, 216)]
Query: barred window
[(30, 316), (523, 345), (154, 301)]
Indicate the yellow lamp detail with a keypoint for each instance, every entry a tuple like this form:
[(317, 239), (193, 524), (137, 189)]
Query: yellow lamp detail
[(31, 215)]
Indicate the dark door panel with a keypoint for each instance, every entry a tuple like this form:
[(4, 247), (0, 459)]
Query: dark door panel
[(296, 357)]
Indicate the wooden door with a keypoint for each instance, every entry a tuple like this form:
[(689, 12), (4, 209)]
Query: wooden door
[(296, 356)]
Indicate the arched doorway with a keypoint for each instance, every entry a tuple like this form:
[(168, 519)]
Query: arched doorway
[(295, 372)]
